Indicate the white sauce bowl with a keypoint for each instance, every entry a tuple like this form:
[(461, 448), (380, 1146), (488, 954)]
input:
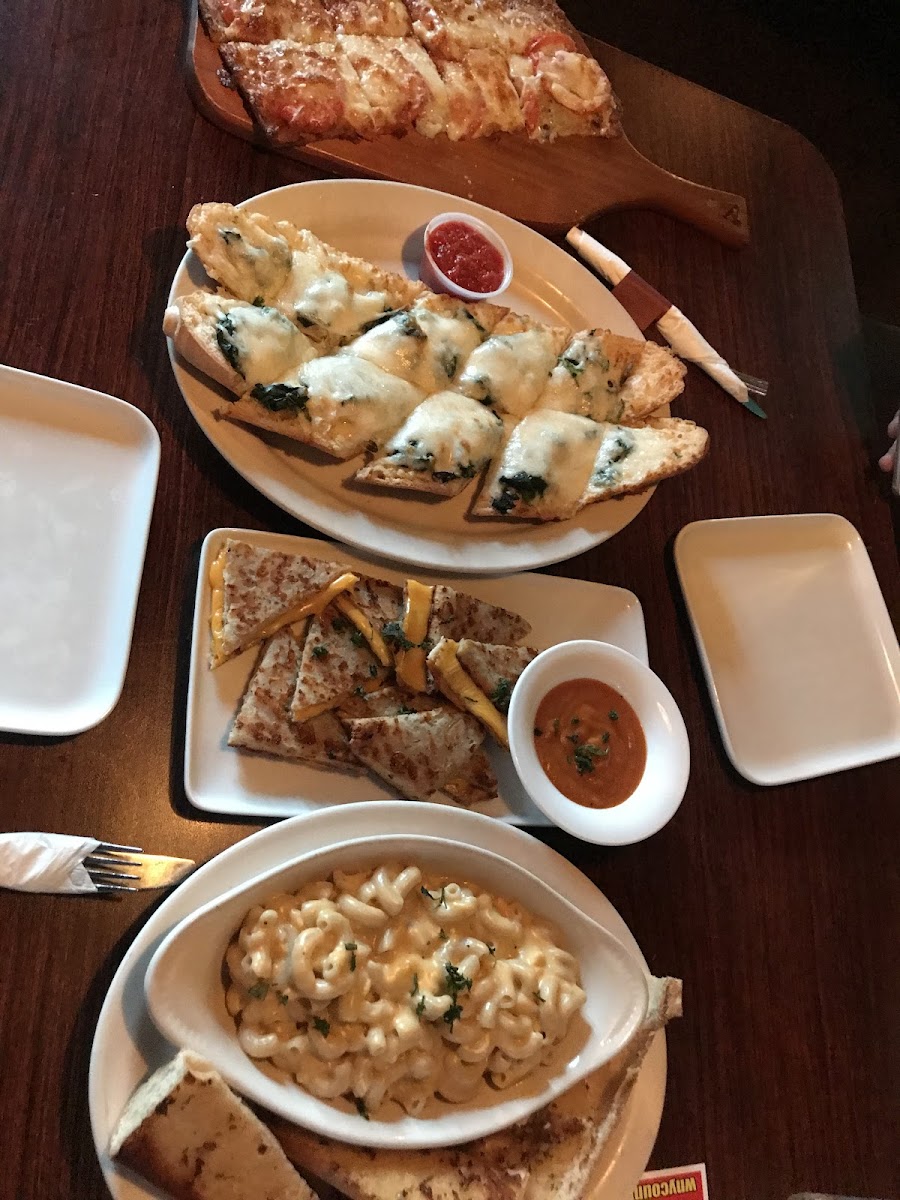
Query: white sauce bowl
[(662, 786)]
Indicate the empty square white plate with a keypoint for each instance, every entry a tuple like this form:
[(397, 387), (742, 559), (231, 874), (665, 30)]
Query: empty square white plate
[(801, 660), (77, 481)]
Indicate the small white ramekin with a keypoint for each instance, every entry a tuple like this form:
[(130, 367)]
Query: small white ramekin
[(662, 786), (433, 277)]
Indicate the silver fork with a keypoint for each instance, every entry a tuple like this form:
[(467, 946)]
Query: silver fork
[(756, 387), (114, 868)]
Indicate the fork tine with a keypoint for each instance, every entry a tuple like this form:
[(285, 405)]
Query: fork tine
[(102, 875), (108, 888), (112, 848), (758, 387), (93, 861)]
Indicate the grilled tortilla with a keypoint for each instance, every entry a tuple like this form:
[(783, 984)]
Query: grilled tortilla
[(336, 660), (456, 615), (419, 753), (256, 591), (485, 689), (264, 721)]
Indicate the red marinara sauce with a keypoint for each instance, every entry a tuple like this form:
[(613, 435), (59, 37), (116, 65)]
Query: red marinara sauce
[(466, 256), (590, 742)]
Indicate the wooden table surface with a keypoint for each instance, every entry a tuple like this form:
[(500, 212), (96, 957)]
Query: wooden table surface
[(778, 907)]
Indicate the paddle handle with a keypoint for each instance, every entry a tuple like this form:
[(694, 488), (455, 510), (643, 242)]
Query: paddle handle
[(722, 215)]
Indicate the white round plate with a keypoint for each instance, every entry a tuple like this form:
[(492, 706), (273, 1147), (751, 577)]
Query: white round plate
[(127, 1046), (384, 222)]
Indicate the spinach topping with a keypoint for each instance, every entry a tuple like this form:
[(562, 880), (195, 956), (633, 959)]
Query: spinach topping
[(357, 638), (514, 488), (320, 652), (259, 302), (225, 333), (406, 323), (620, 447), (259, 990), (380, 319), (501, 694), (229, 236), (573, 365), (282, 397), (449, 361)]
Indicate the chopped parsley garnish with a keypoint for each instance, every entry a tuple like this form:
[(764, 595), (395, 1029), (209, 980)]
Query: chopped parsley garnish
[(438, 900), (420, 1007), (442, 935), (575, 721), (415, 985), (322, 1025), (357, 638), (339, 624), (259, 990), (373, 670), (405, 711), (605, 737), (584, 757), (352, 947), (538, 732), (456, 981), (492, 950), (361, 1108), (574, 738), (538, 998), (556, 724), (259, 302), (613, 715), (320, 652), (283, 998), (501, 694), (452, 1015), (392, 631)]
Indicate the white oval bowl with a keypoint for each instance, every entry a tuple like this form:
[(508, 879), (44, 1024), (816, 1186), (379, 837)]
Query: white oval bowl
[(186, 997), (433, 277), (662, 786)]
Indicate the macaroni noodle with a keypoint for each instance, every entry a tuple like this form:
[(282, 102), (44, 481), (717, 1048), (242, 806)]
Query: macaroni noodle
[(389, 985)]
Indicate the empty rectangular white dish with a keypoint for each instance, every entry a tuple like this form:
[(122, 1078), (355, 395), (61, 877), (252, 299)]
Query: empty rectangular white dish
[(218, 778), (78, 474), (796, 642)]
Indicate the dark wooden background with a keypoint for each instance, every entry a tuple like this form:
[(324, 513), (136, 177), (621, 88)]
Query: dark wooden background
[(778, 907)]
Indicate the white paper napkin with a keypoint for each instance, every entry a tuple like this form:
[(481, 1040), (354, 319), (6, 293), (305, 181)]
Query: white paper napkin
[(45, 862), (678, 331)]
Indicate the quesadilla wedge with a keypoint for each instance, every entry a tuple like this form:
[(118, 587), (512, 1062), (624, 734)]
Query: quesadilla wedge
[(441, 446), (264, 723), (372, 604), (256, 591), (479, 678), (418, 753), (457, 615), (387, 701), (336, 660)]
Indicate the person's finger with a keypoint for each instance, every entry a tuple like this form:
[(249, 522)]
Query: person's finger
[(894, 427), (886, 462)]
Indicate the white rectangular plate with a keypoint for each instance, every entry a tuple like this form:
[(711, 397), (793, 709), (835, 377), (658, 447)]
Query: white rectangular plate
[(78, 476), (220, 779), (802, 663)]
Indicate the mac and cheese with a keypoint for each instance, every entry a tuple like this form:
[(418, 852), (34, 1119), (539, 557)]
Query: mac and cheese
[(388, 984)]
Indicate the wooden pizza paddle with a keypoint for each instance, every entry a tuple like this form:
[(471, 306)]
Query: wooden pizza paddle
[(550, 186)]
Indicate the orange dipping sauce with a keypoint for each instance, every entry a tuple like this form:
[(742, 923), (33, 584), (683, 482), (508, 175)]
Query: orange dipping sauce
[(590, 742)]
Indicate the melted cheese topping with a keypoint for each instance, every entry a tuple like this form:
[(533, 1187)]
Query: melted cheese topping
[(425, 348), (217, 604), (372, 635), (446, 434), (456, 683), (354, 403), (315, 295), (246, 258), (266, 344), (584, 381), (510, 371), (306, 712), (558, 448), (410, 664)]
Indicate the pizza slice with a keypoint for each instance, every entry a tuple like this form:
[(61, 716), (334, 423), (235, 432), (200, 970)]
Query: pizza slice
[(450, 29), (562, 91), (300, 93), (395, 88), (510, 369), (261, 21), (481, 99), (442, 445), (369, 18)]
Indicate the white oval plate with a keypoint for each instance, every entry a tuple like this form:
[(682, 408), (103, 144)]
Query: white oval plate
[(383, 222), (186, 995), (127, 1046)]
